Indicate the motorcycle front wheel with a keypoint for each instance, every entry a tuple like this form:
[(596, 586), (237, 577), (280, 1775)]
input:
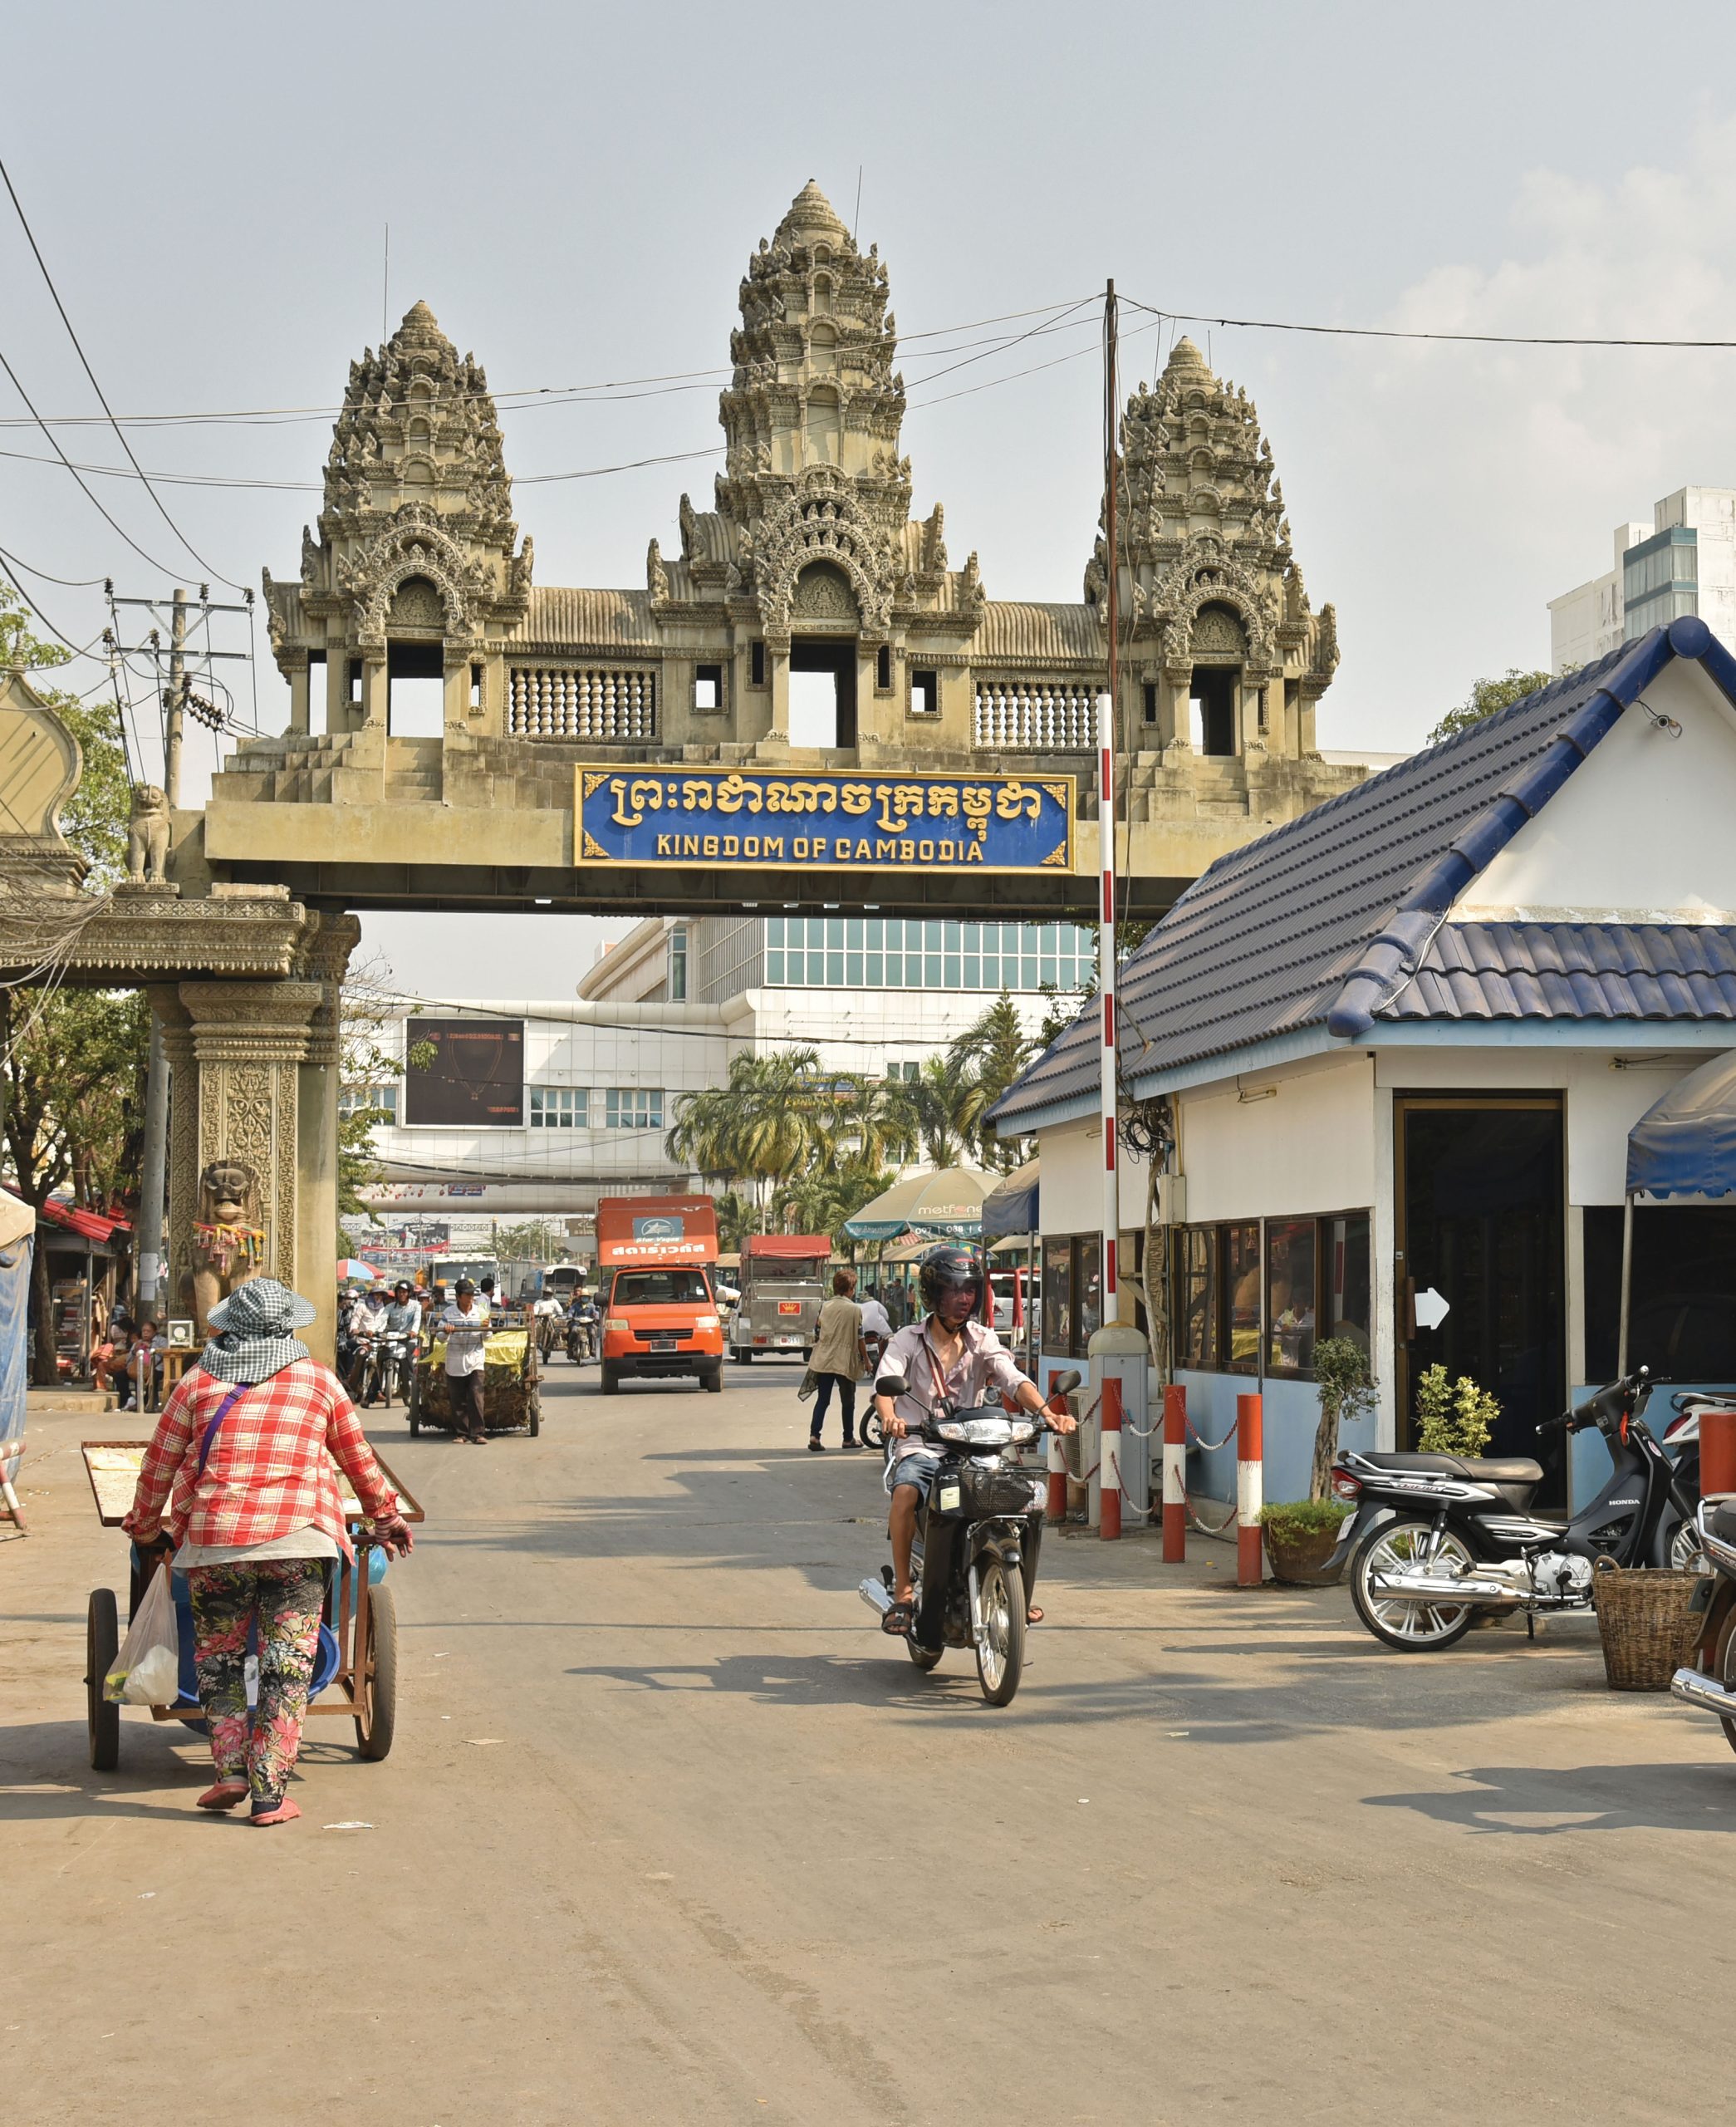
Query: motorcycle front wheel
[(1001, 1639), (1415, 1627), (1723, 1667), (869, 1431)]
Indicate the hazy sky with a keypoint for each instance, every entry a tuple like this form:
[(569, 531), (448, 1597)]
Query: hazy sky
[(575, 191)]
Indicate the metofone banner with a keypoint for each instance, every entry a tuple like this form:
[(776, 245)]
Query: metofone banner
[(829, 818)]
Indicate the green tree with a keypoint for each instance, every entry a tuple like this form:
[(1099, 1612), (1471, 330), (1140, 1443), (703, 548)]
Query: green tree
[(94, 816), (993, 1051), (1488, 697), (946, 1101), (776, 1117), (539, 1240)]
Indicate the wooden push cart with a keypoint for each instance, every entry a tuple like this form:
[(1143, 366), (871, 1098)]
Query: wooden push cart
[(360, 1617), (511, 1392)]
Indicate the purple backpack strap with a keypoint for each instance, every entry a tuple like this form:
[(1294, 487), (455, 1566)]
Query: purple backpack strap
[(223, 1409)]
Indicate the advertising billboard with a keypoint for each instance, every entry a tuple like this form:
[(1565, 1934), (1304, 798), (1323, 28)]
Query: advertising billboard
[(475, 1076)]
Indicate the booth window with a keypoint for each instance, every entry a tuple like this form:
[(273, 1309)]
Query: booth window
[(1680, 1322), (1290, 1295), (1058, 1296), (1306, 1272), (1196, 1301), (1242, 1297)]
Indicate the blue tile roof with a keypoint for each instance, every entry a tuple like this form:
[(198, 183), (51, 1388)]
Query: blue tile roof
[(1573, 970), (1329, 918)]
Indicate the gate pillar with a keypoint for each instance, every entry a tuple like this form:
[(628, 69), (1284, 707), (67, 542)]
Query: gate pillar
[(325, 958)]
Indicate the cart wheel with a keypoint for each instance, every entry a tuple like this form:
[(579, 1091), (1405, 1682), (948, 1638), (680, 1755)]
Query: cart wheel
[(379, 1692), (102, 1643), (533, 1412)]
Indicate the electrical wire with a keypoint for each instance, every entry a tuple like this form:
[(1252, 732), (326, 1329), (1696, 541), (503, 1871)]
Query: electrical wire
[(1397, 333), (12, 563), (66, 582), (102, 400)]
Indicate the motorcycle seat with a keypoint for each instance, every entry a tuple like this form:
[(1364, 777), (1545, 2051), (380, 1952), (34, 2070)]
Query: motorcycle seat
[(1479, 1469)]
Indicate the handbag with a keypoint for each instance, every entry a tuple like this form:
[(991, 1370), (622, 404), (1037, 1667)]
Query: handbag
[(810, 1386), (221, 1412)]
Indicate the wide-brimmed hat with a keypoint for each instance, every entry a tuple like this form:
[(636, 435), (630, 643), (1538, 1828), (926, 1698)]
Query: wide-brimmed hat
[(255, 1327)]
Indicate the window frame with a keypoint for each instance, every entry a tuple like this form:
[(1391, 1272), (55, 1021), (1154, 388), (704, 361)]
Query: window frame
[(1215, 1235)]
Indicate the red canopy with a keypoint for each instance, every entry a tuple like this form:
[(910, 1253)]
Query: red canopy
[(88, 1225), (806, 1246)]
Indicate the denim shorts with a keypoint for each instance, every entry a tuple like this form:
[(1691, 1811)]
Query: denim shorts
[(917, 1470)]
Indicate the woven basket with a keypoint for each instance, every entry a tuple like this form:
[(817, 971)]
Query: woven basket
[(1647, 1628)]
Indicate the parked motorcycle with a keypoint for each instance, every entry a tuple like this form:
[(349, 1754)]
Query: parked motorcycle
[(1438, 1540), (971, 1540), (1714, 1690)]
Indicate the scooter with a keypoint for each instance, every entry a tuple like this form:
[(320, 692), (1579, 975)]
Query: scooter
[(1438, 1541), (581, 1338), (1712, 1690), (980, 1527)]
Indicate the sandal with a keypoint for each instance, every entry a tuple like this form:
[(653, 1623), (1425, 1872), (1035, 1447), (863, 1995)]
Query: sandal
[(816, 1446), (224, 1796), (899, 1620)]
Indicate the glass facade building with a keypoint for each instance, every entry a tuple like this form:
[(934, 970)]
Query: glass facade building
[(1660, 581), (872, 952)]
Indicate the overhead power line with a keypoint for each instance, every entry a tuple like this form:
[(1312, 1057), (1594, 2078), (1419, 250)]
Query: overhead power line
[(1398, 333), (102, 400)]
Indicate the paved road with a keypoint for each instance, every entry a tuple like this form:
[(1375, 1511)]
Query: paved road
[(670, 1834)]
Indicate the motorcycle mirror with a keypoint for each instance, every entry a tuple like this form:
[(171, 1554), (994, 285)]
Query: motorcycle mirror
[(1064, 1384), (891, 1384)]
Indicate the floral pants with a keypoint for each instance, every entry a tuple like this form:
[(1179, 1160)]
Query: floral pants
[(284, 1597)]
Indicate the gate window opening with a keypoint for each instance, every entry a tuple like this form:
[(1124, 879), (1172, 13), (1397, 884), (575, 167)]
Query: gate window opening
[(1212, 708), (316, 684), (1148, 712), (707, 686), (354, 694), (883, 669), (875, 952), (415, 683), (757, 666), (822, 693), (924, 693)]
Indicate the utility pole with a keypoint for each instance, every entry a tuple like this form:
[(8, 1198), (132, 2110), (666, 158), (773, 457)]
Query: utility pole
[(148, 1241), (1107, 736)]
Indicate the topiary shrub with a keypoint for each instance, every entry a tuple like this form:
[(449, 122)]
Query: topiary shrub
[(1347, 1390), (1453, 1418)]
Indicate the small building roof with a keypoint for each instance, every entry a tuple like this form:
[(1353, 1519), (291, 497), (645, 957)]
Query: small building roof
[(1334, 919)]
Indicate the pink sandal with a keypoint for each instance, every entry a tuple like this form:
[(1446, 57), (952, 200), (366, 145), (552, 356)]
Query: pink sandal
[(224, 1796), (284, 1813)]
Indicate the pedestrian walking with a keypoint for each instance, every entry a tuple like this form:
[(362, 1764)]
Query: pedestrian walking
[(839, 1360), (464, 1325), (238, 1478)]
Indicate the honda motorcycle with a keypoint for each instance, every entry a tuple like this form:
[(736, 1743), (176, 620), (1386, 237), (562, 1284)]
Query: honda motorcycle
[(1439, 1541), (974, 1536), (1713, 1689)]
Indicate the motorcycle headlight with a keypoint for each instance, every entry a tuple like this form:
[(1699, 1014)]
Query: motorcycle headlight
[(951, 1429)]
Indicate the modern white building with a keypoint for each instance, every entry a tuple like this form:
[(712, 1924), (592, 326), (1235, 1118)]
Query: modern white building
[(1684, 561)]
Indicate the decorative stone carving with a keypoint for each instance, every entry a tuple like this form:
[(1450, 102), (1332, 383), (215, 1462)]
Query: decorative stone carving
[(147, 834), (227, 1240), (823, 593), (416, 605)]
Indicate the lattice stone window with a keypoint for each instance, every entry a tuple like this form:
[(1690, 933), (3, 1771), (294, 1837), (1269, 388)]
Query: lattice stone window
[(1035, 716), (565, 701), (560, 1108)]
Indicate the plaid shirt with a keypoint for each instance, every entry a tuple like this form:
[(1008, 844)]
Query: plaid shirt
[(269, 1469)]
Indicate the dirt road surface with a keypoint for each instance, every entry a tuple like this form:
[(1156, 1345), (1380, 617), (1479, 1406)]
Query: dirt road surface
[(671, 1834)]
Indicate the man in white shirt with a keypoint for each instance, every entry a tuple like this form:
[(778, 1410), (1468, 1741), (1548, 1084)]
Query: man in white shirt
[(464, 1325), (876, 1332)]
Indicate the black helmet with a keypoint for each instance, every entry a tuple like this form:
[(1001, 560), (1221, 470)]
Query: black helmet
[(949, 1269)]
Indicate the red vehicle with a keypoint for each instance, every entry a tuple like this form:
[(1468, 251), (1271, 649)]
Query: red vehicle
[(654, 1257)]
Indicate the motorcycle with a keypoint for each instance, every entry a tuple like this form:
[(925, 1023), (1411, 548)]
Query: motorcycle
[(973, 1538), (581, 1338), (1439, 1541), (385, 1360), (1715, 1692)]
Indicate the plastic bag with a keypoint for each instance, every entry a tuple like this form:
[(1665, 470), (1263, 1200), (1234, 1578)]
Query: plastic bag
[(147, 1671)]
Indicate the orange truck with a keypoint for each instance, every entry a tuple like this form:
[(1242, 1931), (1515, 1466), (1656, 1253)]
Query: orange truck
[(654, 1257)]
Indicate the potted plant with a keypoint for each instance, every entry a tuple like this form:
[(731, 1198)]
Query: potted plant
[(1302, 1535), (1453, 1420)]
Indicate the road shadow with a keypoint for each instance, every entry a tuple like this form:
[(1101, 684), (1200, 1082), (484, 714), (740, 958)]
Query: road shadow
[(1549, 1802)]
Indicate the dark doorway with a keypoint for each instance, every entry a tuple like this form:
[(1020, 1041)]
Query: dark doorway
[(827, 654), (1478, 1193), (1212, 695)]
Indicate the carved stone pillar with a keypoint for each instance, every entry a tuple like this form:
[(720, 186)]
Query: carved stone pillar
[(249, 1041), (323, 960), (175, 1293)]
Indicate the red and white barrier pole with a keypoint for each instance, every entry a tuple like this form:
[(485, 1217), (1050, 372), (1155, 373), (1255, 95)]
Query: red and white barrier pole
[(1109, 1509), (1250, 1491), (1717, 1453), (1175, 1475), (1056, 1509)]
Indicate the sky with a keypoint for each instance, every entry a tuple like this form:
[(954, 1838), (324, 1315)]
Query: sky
[(575, 191)]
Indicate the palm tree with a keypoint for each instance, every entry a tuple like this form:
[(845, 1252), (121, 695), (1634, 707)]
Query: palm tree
[(946, 1105), (772, 1120), (874, 1122), (991, 1053)]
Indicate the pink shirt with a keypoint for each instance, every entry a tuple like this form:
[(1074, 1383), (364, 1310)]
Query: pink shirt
[(981, 1365)]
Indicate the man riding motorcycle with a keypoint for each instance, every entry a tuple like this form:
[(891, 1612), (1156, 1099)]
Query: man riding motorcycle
[(948, 1357)]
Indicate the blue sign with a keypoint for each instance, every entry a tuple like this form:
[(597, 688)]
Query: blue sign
[(830, 819), (666, 1227)]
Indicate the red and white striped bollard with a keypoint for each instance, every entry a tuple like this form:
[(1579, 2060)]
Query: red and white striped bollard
[(1175, 1475), (1056, 1509), (1250, 1491), (1109, 1508)]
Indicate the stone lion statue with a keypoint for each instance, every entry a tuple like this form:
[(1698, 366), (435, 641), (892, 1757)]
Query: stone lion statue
[(147, 834), (229, 1198)]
